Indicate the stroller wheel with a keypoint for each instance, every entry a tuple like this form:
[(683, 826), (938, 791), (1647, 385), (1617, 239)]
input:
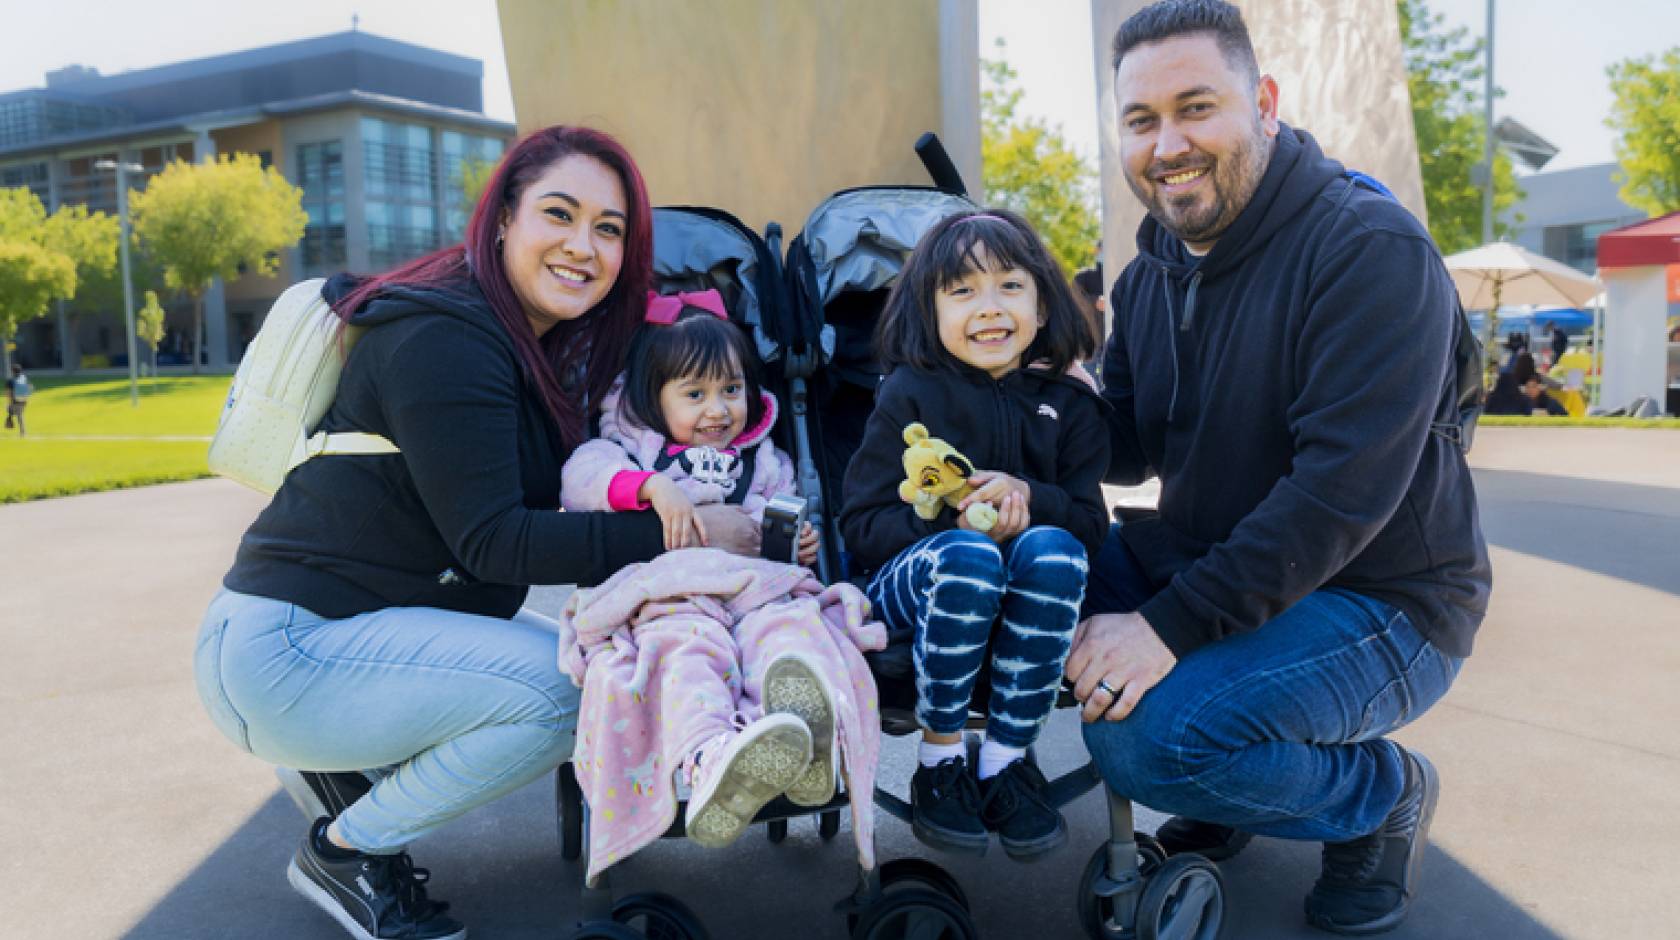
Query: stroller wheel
[(1106, 915), (914, 913), (658, 916), (1151, 853), (1184, 898), (776, 830), (828, 823), (906, 875)]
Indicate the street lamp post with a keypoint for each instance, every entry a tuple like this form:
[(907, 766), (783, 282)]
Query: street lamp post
[(1487, 131), (124, 168)]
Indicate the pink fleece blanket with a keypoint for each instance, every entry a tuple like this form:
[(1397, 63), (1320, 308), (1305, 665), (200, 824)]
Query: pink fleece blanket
[(671, 651)]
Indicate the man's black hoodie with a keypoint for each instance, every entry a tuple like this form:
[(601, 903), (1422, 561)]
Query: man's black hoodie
[(466, 516), (1283, 387)]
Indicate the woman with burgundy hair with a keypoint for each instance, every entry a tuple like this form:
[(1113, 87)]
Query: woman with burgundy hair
[(372, 616)]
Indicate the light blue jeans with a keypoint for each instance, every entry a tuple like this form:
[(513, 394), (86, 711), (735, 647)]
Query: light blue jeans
[(461, 708)]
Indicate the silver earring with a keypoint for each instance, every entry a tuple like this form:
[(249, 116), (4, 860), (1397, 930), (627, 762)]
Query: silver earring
[(501, 239)]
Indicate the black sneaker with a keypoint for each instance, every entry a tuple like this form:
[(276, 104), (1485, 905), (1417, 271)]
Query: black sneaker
[(374, 897), (1211, 841), (1367, 885), (1013, 805), (946, 802)]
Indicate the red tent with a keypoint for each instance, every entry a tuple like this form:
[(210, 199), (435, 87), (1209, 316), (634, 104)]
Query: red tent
[(1651, 242)]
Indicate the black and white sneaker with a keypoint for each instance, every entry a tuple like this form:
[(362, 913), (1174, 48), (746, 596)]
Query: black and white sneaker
[(374, 897), (1367, 885)]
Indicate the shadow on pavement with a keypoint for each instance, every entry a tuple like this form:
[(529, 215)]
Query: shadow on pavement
[(1621, 530), (500, 867)]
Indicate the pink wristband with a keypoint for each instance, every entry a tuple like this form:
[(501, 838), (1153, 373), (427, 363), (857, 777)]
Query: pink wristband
[(621, 492)]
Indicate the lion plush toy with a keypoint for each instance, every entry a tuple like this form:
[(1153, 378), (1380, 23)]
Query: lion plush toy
[(936, 476)]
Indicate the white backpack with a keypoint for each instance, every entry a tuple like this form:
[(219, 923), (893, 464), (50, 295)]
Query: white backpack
[(285, 383)]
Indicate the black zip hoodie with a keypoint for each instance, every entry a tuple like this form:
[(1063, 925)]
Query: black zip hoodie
[(465, 517), (1043, 429), (1283, 387)]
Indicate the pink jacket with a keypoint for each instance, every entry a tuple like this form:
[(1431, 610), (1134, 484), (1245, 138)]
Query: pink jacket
[(671, 652), (606, 473)]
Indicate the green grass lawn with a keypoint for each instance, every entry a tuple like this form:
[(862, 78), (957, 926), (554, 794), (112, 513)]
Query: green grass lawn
[(64, 454)]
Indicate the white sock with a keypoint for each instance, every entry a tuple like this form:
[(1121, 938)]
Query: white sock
[(994, 757), (930, 754)]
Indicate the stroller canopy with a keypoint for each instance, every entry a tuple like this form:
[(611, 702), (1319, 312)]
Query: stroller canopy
[(858, 239), (695, 249)]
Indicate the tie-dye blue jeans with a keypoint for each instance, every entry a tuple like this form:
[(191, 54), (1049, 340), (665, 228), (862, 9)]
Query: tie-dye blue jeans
[(950, 590)]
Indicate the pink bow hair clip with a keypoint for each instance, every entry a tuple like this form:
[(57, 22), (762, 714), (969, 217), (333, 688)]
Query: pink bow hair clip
[(664, 308)]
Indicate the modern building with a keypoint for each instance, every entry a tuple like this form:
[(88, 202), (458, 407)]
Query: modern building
[(374, 131), (1563, 213)]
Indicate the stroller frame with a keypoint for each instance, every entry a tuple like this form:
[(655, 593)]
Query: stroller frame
[(1130, 889)]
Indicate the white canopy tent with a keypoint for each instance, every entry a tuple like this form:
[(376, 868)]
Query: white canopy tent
[(1505, 274)]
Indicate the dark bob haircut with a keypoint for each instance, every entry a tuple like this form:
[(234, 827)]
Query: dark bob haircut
[(699, 343), (1171, 18), (908, 333)]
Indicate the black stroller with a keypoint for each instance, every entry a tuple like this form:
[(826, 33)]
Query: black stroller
[(812, 321)]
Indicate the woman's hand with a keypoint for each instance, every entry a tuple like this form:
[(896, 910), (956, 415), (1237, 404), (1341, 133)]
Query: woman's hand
[(810, 541), (684, 528), (1013, 519), (729, 528)]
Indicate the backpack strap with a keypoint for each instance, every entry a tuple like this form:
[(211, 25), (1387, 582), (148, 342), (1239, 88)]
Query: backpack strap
[(346, 442), (1466, 352)]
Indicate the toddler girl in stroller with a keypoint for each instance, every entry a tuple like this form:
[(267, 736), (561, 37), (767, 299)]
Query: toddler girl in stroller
[(739, 674)]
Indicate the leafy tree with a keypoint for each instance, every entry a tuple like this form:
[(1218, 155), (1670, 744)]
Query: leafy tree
[(201, 221), (1027, 166), (1444, 73), (149, 325), (43, 258), (471, 179), (1646, 117)]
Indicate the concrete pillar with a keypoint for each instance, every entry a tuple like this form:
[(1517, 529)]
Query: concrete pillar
[(760, 107), (1341, 76), (959, 85), (215, 303)]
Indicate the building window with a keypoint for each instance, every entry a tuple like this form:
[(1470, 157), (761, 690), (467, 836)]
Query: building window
[(1577, 245), (320, 174), (460, 150), (33, 175), (400, 181)]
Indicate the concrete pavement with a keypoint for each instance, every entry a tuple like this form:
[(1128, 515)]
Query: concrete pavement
[(127, 815)]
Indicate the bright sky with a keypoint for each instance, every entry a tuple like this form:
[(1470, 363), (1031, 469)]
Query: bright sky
[(1550, 55)]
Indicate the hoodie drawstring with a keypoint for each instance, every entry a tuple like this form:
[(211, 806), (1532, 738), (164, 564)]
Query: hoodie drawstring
[(1183, 326)]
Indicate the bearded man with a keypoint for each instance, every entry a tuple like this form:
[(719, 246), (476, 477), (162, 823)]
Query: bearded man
[(1281, 357)]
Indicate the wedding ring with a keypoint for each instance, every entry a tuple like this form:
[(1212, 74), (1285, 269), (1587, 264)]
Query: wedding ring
[(1111, 690)]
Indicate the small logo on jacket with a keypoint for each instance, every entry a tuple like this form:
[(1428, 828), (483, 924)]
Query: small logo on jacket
[(449, 578), (1049, 412)]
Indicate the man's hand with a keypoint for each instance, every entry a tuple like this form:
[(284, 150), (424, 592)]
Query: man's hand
[(1116, 658)]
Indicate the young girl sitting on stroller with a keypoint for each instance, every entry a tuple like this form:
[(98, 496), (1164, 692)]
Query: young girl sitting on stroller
[(977, 338), (740, 673)]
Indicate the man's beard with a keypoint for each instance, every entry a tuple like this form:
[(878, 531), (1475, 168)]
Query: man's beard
[(1197, 219)]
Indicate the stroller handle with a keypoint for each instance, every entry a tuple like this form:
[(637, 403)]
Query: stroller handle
[(939, 165)]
